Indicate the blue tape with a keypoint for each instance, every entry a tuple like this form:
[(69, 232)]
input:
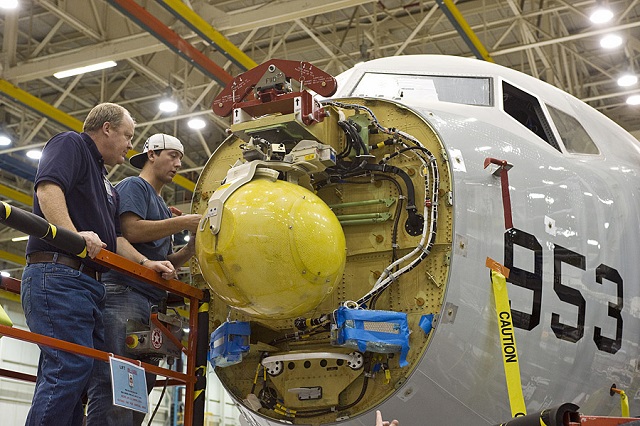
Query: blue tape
[(351, 332), (229, 343), (426, 323)]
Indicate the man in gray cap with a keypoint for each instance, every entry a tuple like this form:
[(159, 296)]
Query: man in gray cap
[(148, 224)]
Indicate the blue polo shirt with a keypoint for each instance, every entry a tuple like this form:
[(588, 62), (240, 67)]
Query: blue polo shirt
[(72, 161), (137, 196)]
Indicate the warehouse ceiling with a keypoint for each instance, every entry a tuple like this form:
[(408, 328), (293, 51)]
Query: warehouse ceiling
[(553, 40)]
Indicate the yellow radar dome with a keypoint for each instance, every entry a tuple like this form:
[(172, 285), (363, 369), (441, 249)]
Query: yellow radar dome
[(280, 250)]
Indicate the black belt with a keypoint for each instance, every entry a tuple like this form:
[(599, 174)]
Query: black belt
[(63, 259)]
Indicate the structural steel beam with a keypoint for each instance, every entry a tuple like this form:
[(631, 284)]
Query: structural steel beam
[(16, 195), (38, 105), (463, 28), (13, 258), (41, 107), (208, 33), (172, 40)]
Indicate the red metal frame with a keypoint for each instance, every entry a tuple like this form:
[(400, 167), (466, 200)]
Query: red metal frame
[(147, 275)]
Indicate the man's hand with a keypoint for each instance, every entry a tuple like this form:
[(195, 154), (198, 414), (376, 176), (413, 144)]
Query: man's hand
[(380, 422), (93, 242), (164, 267), (191, 222)]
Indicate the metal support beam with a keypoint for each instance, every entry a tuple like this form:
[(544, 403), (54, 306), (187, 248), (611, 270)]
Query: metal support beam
[(463, 28), (208, 33), (15, 195), (39, 106), (13, 258), (172, 40)]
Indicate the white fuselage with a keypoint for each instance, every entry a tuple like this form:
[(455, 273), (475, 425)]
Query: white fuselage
[(576, 217)]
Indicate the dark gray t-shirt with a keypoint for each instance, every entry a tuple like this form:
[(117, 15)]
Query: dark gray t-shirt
[(138, 197)]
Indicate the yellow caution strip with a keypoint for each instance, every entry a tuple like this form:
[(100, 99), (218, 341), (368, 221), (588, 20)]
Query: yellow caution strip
[(507, 338)]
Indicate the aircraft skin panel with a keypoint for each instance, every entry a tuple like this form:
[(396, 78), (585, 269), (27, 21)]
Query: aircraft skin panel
[(573, 203), (571, 252)]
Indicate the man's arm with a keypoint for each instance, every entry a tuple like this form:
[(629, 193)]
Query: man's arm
[(164, 267), (180, 257), (137, 230), (54, 208)]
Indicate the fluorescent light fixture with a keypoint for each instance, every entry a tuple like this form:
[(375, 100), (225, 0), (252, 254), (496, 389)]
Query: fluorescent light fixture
[(611, 41), (196, 124), (627, 80), (187, 238), (82, 70), (34, 154), (601, 15), (4, 140), (633, 100), (5, 274), (22, 238), (168, 105), (8, 4)]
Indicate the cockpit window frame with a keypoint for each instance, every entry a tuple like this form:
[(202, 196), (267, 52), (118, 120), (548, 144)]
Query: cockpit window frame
[(530, 112), (570, 148), (489, 81)]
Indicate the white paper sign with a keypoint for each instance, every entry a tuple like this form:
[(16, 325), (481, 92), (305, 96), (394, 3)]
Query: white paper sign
[(129, 385)]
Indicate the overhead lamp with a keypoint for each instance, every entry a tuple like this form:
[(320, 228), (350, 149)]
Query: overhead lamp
[(168, 105), (196, 124), (610, 41), (5, 274), (626, 80), (82, 70), (34, 154), (8, 4), (5, 140), (21, 238), (633, 100), (601, 14)]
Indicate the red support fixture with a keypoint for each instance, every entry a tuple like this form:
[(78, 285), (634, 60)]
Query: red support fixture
[(147, 275)]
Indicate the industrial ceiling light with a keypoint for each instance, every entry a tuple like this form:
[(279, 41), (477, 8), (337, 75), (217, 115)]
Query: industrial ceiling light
[(626, 80), (168, 105), (22, 238), (196, 124), (5, 274), (5, 140), (633, 100), (34, 154), (8, 4), (82, 70), (611, 41), (601, 14)]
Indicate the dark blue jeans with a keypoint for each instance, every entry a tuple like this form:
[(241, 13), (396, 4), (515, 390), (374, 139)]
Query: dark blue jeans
[(122, 303), (66, 304)]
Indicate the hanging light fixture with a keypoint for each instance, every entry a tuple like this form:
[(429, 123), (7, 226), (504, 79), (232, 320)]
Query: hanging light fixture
[(601, 14), (196, 123), (611, 41), (8, 4), (627, 80), (633, 100)]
